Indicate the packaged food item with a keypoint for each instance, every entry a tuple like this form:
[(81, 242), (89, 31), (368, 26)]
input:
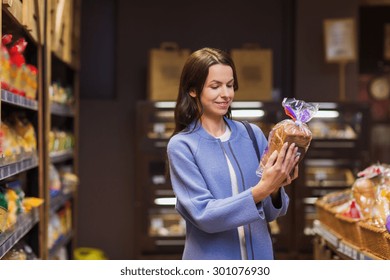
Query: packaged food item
[(24, 128), (54, 181), (294, 130), (364, 193), (32, 202), (3, 210), (382, 204), (21, 251), (12, 199), (15, 255), (374, 172), (353, 211), (18, 67), (69, 182), (5, 62), (11, 143), (372, 193), (14, 195), (32, 82)]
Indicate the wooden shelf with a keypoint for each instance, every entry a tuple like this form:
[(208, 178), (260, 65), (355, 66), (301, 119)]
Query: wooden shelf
[(60, 242), (36, 25), (62, 109), (56, 157), (18, 100), (11, 169), (59, 200)]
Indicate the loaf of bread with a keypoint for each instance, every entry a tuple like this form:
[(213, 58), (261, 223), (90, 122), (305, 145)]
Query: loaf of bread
[(294, 130), (364, 193), (290, 132)]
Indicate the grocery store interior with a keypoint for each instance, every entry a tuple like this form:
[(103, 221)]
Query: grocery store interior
[(88, 90)]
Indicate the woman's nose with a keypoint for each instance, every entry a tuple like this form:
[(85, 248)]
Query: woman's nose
[(225, 91)]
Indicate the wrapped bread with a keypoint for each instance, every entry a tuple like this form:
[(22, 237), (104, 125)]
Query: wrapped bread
[(383, 205), (294, 130), (373, 188), (364, 193)]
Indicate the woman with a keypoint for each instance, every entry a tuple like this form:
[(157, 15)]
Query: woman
[(213, 167)]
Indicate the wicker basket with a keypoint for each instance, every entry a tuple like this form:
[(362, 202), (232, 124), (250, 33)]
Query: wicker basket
[(326, 211), (386, 236), (350, 230), (375, 240), (327, 216)]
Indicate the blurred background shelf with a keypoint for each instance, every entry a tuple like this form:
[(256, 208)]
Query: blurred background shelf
[(12, 236)]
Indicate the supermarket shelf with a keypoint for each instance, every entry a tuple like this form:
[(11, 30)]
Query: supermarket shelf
[(18, 100), (62, 241), (59, 200), (24, 224), (41, 113), (14, 168), (61, 109), (334, 144), (61, 156), (344, 249)]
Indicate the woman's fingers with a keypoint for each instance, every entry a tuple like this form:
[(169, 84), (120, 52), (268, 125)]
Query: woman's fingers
[(293, 159), (282, 154), (272, 159), (283, 164), (289, 159), (296, 171)]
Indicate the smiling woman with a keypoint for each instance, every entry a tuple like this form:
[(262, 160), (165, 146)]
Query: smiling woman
[(216, 97), (213, 167)]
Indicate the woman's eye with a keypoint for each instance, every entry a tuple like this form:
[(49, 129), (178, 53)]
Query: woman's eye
[(214, 87), (229, 86)]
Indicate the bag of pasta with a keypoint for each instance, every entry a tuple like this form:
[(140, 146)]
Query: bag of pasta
[(294, 130)]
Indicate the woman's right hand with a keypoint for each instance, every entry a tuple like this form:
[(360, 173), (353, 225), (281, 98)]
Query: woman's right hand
[(277, 172)]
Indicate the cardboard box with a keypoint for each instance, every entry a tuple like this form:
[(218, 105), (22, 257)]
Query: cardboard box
[(62, 28), (254, 73), (165, 67), (33, 15), (30, 14), (15, 8)]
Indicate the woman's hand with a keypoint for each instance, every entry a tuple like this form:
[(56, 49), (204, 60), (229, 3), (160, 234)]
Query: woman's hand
[(280, 170)]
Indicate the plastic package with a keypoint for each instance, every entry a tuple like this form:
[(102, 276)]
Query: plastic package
[(5, 62), (25, 130), (382, 212), (18, 67), (353, 211), (3, 210), (54, 181), (294, 130), (372, 193), (364, 193), (32, 82)]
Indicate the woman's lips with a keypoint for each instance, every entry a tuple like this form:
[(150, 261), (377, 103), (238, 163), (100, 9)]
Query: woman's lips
[(223, 104)]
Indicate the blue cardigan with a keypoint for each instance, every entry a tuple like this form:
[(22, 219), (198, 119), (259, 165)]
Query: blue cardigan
[(201, 182)]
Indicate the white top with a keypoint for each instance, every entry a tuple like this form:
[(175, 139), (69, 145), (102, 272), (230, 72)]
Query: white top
[(233, 178)]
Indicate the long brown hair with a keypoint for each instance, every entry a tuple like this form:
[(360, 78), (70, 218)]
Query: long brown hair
[(193, 78)]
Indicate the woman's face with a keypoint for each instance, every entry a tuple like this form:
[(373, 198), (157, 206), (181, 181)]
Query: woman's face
[(218, 91)]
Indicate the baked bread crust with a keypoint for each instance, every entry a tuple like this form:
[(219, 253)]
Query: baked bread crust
[(291, 132)]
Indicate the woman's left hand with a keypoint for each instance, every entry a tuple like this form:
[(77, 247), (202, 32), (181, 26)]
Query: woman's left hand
[(292, 176), (280, 170)]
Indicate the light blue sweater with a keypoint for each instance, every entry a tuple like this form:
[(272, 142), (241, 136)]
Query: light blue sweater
[(201, 182)]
